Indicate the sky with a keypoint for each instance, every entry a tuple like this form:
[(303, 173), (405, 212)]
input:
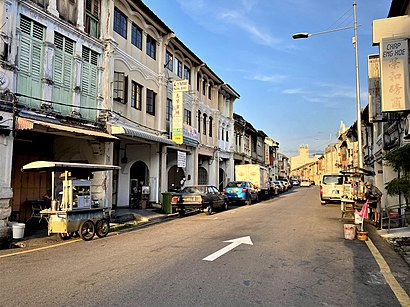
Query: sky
[(296, 91)]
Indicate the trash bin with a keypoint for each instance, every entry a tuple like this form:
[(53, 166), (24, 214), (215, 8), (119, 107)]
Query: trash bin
[(166, 202)]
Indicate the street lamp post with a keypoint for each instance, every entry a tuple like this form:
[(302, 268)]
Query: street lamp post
[(358, 107)]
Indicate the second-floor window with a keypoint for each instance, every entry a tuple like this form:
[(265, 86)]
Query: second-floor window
[(119, 87), (136, 36), (209, 91), (187, 117), (227, 136), (203, 87), (204, 123), (169, 61), (179, 68), (168, 114), (199, 121), (151, 47), (92, 17), (210, 126), (120, 23), (151, 95), (136, 95), (187, 74)]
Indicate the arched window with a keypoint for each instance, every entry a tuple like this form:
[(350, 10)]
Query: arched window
[(210, 126)]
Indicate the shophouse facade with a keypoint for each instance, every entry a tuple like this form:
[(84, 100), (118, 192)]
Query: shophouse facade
[(91, 81), (387, 116), (52, 96)]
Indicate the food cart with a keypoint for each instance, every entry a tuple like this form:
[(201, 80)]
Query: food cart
[(353, 196), (74, 209)]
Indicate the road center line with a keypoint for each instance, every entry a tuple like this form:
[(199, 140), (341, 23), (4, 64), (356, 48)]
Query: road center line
[(398, 291), (39, 248)]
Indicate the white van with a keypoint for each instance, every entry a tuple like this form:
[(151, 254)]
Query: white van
[(332, 187)]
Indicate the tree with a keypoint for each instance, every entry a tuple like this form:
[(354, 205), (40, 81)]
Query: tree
[(399, 159)]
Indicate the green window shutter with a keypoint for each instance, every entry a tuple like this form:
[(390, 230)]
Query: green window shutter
[(30, 61), (58, 67)]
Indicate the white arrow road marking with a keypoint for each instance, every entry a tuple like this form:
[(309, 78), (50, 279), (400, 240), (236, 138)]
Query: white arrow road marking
[(234, 243)]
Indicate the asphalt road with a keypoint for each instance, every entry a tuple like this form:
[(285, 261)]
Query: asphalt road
[(299, 257)]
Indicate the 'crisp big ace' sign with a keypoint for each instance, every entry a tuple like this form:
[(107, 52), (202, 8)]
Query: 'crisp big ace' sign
[(395, 75)]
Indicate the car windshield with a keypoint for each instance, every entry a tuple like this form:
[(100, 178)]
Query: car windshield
[(236, 184), (332, 179), (192, 190)]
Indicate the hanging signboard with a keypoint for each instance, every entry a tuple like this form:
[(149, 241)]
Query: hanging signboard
[(177, 117), (375, 99), (394, 75), (180, 86), (178, 89)]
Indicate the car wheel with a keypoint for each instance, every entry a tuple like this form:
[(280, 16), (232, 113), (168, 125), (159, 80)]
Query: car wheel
[(225, 205), (208, 210)]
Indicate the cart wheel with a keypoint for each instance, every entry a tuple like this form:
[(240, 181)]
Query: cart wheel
[(102, 228), (87, 230), (64, 236)]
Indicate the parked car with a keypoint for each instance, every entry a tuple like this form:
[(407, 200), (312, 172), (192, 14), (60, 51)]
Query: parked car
[(332, 187), (280, 185), (274, 189), (241, 191), (295, 182), (199, 197), (285, 183), (305, 183)]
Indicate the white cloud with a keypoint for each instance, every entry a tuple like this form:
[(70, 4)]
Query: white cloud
[(293, 91), (268, 78), (215, 17)]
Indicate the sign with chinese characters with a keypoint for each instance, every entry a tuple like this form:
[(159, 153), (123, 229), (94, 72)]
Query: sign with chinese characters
[(394, 75), (177, 117), (181, 159), (375, 99), (178, 89)]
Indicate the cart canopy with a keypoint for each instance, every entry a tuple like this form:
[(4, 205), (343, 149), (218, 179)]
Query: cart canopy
[(66, 166)]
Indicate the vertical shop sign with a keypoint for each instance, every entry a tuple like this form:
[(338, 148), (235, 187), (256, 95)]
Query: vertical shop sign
[(395, 75), (178, 89), (375, 99)]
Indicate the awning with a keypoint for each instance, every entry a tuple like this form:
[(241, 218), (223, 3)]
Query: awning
[(134, 132), (30, 124), (67, 166)]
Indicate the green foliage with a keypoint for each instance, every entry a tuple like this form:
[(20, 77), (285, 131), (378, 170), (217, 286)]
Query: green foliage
[(399, 159), (399, 185)]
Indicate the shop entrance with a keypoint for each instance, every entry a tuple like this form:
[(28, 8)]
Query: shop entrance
[(222, 176), (176, 177), (139, 177)]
